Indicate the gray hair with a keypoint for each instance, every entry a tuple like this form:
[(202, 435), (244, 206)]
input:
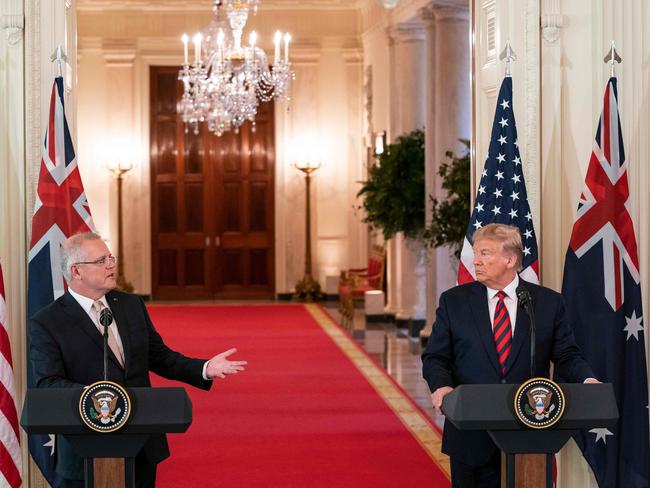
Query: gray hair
[(71, 252), (507, 235)]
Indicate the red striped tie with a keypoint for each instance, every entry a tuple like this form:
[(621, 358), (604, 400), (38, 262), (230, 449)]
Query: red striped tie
[(502, 331)]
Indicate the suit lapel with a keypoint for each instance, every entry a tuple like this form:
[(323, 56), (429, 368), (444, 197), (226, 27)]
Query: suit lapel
[(522, 331), (122, 324), (479, 305), (83, 322)]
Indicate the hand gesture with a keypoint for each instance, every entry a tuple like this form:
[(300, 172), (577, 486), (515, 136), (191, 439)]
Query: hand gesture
[(220, 366)]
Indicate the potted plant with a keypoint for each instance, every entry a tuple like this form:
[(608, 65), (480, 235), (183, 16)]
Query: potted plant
[(393, 195), (450, 217)]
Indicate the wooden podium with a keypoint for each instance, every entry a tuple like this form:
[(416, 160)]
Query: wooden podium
[(491, 408), (154, 411)]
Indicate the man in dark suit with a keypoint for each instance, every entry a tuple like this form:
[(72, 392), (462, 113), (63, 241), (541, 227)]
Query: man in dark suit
[(473, 341), (66, 347)]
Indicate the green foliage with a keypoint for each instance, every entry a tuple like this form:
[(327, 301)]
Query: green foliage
[(450, 217), (393, 196)]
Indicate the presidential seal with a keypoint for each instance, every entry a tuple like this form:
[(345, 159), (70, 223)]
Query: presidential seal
[(105, 406), (539, 403)]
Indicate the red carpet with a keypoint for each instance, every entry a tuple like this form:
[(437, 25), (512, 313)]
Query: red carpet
[(301, 415)]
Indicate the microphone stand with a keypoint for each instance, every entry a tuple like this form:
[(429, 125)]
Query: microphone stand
[(526, 303), (105, 352), (105, 319)]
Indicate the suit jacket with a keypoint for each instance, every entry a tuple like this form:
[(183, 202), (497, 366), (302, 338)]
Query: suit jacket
[(461, 350), (66, 350)]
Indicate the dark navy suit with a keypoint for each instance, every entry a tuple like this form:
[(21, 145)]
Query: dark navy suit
[(66, 350), (461, 350)]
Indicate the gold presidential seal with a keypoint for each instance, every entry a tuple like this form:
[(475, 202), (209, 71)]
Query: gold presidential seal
[(539, 403), (104, 406)]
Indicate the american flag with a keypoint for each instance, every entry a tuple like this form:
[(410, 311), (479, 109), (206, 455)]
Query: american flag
[(501, 196), (61, 210), (11, 464), (603, 295)]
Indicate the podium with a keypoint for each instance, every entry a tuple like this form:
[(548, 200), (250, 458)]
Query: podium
[(154, 411), (491, 408)]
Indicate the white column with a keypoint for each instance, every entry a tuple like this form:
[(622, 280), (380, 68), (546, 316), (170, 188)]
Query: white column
[(12, 189), (448, 119), (407, 52)]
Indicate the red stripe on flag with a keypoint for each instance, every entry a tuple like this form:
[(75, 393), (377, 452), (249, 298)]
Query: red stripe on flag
[(8, 467)]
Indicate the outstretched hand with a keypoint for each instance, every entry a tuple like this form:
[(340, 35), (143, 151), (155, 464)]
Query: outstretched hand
[(220, 366)]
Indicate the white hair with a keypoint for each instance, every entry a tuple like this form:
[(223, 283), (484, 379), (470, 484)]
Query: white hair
[(72, 253)]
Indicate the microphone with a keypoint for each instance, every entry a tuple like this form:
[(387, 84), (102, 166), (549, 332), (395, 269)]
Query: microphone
[(526, 302), (106, 319)]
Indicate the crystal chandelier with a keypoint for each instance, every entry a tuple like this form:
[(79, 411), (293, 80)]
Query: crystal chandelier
[(227, 81)]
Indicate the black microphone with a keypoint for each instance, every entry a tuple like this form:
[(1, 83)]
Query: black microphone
[(106, 319), (526, 302)]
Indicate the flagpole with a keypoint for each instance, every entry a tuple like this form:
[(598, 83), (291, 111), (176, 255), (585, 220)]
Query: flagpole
[(509, 55), (612, 58), (58, 57)]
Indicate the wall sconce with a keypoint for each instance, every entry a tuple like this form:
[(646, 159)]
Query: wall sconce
[(379, 143), (389, 3)]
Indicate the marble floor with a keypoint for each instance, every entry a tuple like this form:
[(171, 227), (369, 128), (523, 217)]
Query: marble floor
[(395, 351)]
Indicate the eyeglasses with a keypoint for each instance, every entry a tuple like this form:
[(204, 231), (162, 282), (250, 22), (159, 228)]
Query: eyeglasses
[(103, 261)]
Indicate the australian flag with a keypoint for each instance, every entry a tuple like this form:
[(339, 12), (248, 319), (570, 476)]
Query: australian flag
[(501, 197), (61, 210), (603, 296)]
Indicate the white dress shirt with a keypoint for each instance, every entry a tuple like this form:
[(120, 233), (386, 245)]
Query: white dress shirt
[(510, 302), (87, 304)]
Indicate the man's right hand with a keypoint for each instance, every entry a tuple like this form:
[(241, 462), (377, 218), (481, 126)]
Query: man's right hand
[(437, 396)]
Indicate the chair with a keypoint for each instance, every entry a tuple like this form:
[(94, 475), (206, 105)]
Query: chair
[(353, 283)]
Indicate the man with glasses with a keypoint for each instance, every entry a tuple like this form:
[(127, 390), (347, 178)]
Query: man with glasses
[(66, 347)]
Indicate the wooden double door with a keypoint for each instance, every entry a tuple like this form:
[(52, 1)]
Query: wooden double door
[(212, 201)]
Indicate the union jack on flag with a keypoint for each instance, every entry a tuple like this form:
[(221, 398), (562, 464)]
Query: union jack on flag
[(602, 291), (501, 197), (61, 210)]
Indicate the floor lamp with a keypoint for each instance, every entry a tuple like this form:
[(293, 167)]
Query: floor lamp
[(119, 169), (308, 289)]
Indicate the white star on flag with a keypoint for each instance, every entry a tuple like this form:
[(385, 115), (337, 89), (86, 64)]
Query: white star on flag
[(513, 213), (633, 326), (528, 233), (517, 161), (516, 178), (496, 210), (498, 193), (501, 158), (499, 175), (526, 251), (481, 189), (502, 140), (478, 224), (529, 216), (514, 196), (503, 122), (479, 207), (50, 443), (601, 434), (484, 173), (505, 104)]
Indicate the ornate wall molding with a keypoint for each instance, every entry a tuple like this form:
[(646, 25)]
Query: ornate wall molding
[(13, 25), (551, 21), (406, 33)]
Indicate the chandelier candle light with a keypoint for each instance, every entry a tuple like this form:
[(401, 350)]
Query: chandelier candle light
[(226, 81)]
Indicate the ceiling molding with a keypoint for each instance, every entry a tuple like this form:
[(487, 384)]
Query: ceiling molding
[(204, 5)]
